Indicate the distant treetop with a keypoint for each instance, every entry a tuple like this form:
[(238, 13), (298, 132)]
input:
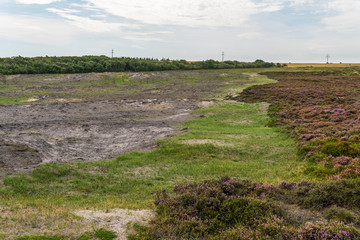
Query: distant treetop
[(86, 64)]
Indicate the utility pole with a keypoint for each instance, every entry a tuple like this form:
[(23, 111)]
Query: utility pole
[(222, 56), (112, 53), (327, 58)]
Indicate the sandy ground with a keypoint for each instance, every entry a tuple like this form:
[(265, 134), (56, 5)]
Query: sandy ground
[(118, 220)]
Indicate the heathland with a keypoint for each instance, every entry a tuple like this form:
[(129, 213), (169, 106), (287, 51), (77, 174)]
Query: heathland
[(241, 154)]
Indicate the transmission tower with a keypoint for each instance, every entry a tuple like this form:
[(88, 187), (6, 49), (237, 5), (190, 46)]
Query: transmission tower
[(327, 58), (222, 56), (112, 53)]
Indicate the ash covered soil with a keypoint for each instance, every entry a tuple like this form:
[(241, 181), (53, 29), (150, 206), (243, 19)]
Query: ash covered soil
[(97, 116)]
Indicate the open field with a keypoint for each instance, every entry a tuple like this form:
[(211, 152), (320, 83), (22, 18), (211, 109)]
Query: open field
[(320, 109), (207, 132), (99, 108), (322, 65), (88, 117)]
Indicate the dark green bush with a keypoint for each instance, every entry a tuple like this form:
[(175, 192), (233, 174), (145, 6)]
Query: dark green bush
[(85, 64)]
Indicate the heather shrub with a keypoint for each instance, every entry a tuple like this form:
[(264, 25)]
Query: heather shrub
[(327, 231), (244, 211), (319, 109), (340, 214), (272, 228), (342, 193), (335, 147), (352, 170), (230, 209), (204, 209)]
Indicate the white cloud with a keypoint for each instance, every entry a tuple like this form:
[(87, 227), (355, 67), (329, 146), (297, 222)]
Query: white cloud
[(145, 36), (250, 35), (86, 6), (346, 16), (136, 38), (102, 26), (187, 12), (37, 1), (98, 16), (189, 29), (88, 24), (300, 2), (34, 29)]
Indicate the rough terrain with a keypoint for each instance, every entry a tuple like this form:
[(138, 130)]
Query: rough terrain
[(89, 117)]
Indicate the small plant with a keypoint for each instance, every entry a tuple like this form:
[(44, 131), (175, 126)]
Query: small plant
[(104, 234), (340, 214), (101, 234)]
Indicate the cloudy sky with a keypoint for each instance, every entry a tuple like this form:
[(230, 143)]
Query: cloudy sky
[(272, 30)]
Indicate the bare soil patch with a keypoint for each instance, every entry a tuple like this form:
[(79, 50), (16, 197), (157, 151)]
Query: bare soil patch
[(206, 141), (106, 120), (118, 220)]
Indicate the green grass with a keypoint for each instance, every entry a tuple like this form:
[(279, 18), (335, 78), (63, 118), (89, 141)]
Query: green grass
[(229, 139), (100, 234), (226, 139), (12, 100)]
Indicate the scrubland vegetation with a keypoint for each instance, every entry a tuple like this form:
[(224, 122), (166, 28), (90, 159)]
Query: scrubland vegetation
[(320, 110), (230, 209), (86, 64), (239, 170)]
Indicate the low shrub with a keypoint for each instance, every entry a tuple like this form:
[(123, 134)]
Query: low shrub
[(327, 231), (319, 109), (230, 209), (340, 214)]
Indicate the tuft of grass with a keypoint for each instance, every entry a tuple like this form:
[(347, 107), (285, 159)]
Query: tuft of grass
[(12, 100), (104, 234)]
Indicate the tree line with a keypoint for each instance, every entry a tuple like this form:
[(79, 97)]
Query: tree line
[(86, 64)]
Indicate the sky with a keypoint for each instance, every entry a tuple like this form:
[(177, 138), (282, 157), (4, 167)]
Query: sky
[(245, 30)]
